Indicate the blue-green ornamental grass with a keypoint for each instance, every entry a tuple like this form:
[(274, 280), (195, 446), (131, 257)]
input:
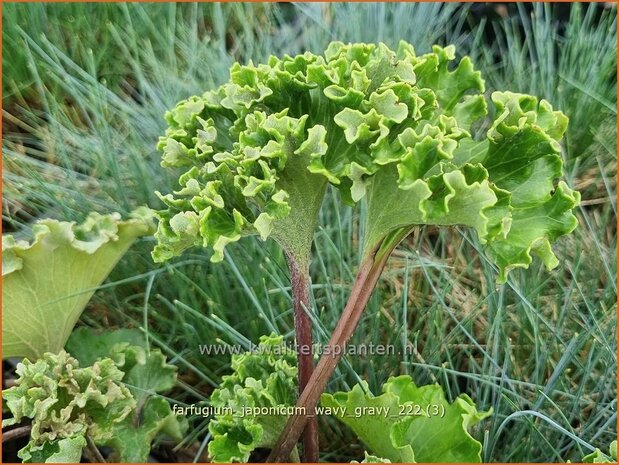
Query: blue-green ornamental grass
[(388, 128), (81, 121)]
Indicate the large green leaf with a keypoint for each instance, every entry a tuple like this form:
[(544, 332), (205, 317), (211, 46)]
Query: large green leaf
[(506, 186), (408, 423), (47, 283), (392, 128)]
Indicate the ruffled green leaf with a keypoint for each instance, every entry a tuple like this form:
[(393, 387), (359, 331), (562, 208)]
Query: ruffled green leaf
[(265, 377), (597, 456), (226, 195), (505, 187), (68, 450), (47, 283), (408, 423), (522, 157), (146, 374), (66, 401), (391, 127), (372, 459), (449, 86)]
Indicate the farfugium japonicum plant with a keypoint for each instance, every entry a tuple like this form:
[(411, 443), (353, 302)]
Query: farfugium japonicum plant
[(393, 129)]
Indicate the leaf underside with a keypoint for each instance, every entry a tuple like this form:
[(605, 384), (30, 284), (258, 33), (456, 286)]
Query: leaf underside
[(47, 283)]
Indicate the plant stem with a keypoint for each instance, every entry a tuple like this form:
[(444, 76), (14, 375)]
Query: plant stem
[(300, 283), (367, 277), (16, 433), (92, 449)]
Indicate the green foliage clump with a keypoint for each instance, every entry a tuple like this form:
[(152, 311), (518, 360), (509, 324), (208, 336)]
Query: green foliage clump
[(263, 378), (67, 403), (106, 392), (146, 374)]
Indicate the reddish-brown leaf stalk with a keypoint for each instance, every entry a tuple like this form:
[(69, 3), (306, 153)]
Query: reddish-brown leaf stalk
[(300, 282), (367, 277)]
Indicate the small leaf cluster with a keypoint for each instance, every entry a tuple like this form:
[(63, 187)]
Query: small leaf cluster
[(67, 402), (105, 391), (265, 377)]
